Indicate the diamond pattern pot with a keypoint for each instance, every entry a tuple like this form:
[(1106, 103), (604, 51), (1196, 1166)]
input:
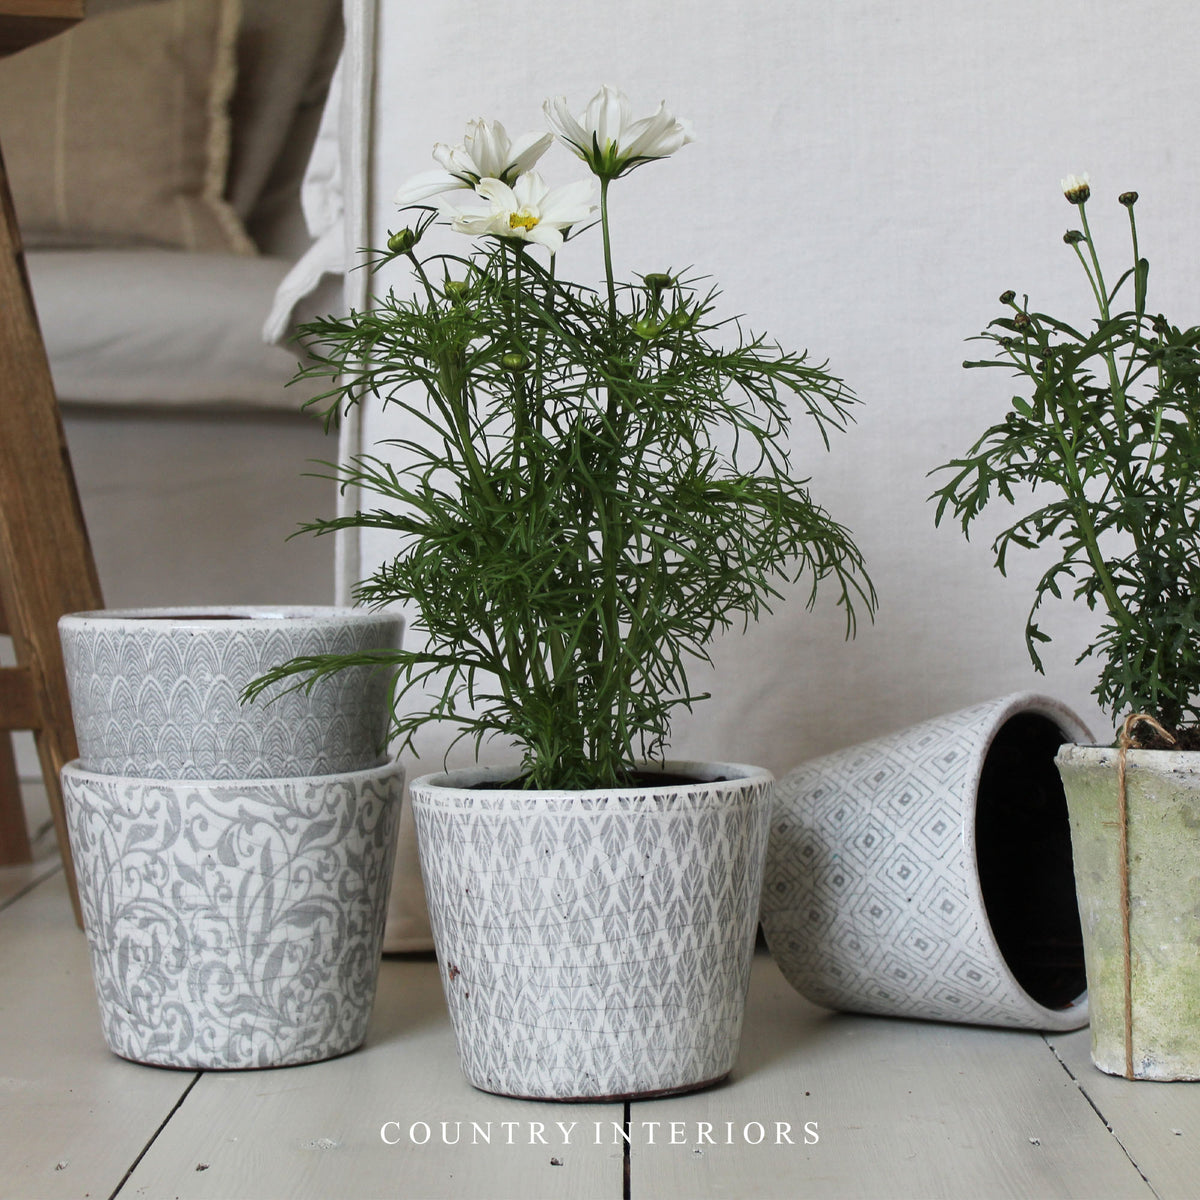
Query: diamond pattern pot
[(594, 944), (928, 873)]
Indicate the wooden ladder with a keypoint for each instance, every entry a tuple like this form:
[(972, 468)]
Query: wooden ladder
[(46, 563)]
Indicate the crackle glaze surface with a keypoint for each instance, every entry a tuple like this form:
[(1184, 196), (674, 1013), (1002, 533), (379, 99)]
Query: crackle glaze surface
[(1163, 790), (872, 901), (155, 693), (595, 944), (234, 924)]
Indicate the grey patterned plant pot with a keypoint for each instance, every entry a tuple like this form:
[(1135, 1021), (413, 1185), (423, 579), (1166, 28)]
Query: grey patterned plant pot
[(928, 873), (234, 923), (595, 944), (155, 693)]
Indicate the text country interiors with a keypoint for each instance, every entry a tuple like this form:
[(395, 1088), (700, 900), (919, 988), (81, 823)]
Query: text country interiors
[(573, 1133)]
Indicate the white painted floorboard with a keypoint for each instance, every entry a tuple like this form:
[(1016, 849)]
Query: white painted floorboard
[(902, 1108)]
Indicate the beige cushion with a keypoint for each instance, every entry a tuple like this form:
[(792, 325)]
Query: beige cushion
[(163, 327), (286, 52), (118, 131)]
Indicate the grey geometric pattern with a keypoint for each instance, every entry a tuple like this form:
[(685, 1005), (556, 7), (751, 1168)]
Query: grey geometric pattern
[(595, 944), (871, 899), (157, 696), (238, 924)]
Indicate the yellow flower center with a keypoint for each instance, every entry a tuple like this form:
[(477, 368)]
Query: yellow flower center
[(522, 220)]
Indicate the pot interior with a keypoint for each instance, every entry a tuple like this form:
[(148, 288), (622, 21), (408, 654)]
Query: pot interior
[(1023, 852)]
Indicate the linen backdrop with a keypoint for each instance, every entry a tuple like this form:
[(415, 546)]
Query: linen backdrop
[(867, 177)]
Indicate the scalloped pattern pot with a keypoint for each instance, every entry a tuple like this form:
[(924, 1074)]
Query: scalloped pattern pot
[(234, 924), (595, 944), (157, 696)]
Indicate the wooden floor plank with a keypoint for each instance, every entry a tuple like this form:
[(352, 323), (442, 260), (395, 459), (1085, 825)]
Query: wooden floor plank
[(902, 1109), (315, 1131), (74, 1117), (1157, 1123)]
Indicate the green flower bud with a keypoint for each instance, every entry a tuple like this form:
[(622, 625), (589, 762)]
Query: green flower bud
[(1129, 199), (1022, 321), (402, 241), (514, 361), (647, 329), (657, 281), (1072, 237), (456, 290), (1008, 297)]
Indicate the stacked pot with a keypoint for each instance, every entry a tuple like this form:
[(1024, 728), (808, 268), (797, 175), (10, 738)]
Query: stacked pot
[(233, 859)]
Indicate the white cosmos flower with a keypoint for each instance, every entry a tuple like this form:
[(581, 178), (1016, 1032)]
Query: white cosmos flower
[(530, 210), (486, 152), (607, 137)]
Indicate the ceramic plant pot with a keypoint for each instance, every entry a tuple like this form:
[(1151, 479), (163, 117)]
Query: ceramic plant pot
[(1163, 821), (594, 944), (928, 873), (234, 924), (155, 693)]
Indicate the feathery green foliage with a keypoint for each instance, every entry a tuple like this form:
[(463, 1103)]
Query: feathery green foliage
[(1108, 424), (601, 484)]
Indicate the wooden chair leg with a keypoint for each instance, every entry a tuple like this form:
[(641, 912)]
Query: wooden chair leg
[(14, 833)]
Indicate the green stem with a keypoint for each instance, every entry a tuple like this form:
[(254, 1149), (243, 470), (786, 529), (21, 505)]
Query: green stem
[(608, 267)]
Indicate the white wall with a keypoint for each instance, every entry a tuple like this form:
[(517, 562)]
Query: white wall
[(868, 176)]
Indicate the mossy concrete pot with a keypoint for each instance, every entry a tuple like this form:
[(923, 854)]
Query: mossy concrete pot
[(595, 944), (1163, 790)]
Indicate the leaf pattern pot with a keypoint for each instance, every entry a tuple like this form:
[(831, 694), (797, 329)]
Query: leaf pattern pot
[(234, 923), (928, 873), (594, 944), (1163, 854), (155, 693)]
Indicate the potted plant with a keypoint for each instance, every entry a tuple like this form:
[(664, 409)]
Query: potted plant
[(1107, 424), (604, 484)]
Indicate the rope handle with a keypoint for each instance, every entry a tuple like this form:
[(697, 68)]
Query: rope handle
[(1125, 742)]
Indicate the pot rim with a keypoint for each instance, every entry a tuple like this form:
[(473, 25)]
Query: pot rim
[(225, 616), (381, 770), (723, 775), (1098, 755)]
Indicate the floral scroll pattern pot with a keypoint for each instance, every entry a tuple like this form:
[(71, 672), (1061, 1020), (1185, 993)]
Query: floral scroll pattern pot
[(595, 944), (928, 873), (155, 693), (1163, 817), (234, 923)]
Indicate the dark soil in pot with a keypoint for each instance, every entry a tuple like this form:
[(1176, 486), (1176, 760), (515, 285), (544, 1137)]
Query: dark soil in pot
[(1023, 851)]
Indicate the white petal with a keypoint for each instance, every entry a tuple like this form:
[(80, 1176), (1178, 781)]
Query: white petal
[(544, 235), (565, 125), (526, 150), (500, 194), (427, 183)]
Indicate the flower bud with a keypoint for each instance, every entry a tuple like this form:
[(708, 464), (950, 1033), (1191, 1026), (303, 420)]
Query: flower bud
[(1076, 188), (1160, 326), (1129, 199), (402, 241), (456, 290), (646, 328), (514, 361), (657, 281), (1072, 237), (1008, 297), (1022, 321)]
